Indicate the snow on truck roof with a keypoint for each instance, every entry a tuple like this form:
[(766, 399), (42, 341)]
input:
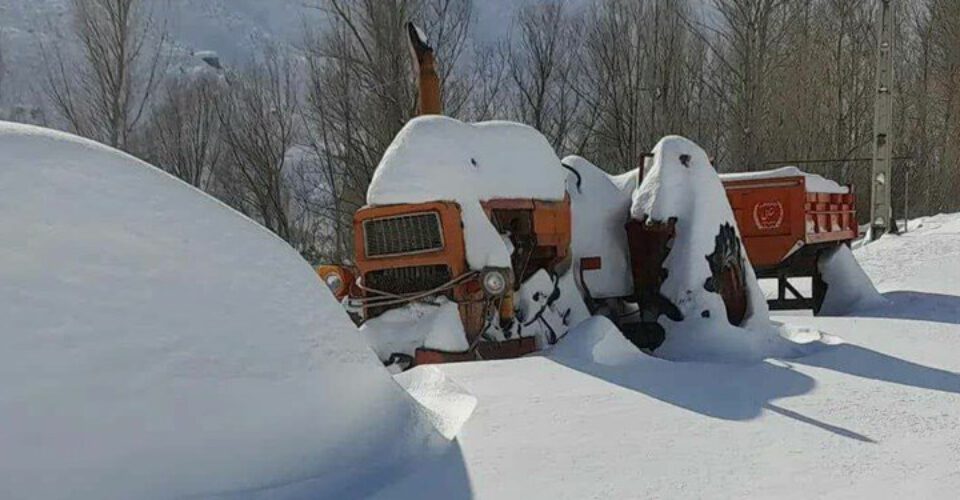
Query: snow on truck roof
[(155, 343), (814, 183), (441, 158)]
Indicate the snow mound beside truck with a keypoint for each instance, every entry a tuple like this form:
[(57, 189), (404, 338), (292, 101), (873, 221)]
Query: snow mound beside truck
[(705, 260), (158, 344)]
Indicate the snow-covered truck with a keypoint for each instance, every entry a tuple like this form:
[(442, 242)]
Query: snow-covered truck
[(483, 222), (458, 215)]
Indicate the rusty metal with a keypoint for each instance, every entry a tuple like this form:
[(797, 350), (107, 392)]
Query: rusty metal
[(785, 231), (430, 102)]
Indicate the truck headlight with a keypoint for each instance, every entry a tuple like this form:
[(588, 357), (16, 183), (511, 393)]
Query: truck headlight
[(334, 283), (338, 279), (494, 281)]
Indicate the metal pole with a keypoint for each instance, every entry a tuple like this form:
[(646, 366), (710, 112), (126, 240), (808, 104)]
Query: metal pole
[(881, 210)]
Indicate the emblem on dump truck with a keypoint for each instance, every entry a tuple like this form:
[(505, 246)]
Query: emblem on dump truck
[(768, 215)]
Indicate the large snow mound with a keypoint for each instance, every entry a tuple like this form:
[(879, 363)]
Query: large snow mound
[(682, 184), (813, 182), (157, 344), (440, 158)]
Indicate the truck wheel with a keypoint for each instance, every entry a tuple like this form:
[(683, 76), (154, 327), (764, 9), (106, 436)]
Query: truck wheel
[(728, 277)]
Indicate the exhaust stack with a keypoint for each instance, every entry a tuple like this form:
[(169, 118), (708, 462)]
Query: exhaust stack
[(428, 80)]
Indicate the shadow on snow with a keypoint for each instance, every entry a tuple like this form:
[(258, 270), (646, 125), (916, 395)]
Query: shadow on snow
[(744, 391)]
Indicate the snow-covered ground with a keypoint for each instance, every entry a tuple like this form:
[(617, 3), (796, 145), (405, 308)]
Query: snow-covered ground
[(875, 415), (156, 344)]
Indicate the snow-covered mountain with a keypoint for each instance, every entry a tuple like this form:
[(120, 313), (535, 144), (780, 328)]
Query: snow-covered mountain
[(232, 28)]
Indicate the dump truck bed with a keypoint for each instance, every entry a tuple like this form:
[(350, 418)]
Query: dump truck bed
[(778, 216)]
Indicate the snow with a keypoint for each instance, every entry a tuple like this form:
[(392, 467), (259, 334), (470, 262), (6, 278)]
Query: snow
[(403, 330), (848, 287), (600, 209), (158, 344), (447, 404), (872, 412), (547, 307), (814, 183), (439, 158), (681, 183), (597, 341)]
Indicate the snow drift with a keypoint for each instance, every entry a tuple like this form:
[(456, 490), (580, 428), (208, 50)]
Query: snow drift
[(848, 288), (157, 344), (682, 184)]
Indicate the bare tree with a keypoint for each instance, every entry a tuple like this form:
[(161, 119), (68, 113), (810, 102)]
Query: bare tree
[(259, 124), (106, 95), (751, 44), (361, 91), (543, 67), (185, 131)]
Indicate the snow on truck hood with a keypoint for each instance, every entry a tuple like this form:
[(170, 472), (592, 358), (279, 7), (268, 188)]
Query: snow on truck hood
[(156, 343), (440, 158)]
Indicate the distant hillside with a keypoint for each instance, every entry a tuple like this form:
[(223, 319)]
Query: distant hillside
[(232, 28)]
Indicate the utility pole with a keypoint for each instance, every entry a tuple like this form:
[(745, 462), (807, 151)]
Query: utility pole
[(881, 210)]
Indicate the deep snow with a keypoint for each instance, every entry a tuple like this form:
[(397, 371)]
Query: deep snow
[(156, 344), (874, 413)]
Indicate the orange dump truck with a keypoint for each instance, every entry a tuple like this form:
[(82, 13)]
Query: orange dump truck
[(788, 221)]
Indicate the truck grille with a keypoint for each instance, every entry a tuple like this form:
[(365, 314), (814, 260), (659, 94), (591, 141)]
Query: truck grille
[(407, 280), (403, 235)]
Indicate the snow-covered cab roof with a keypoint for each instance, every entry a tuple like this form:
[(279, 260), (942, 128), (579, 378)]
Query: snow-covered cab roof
[(441, 158)]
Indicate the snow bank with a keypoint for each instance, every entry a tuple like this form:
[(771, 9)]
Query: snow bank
[(600, 209), (682, 184), (448, 405), (814, 183), (597, 341), (440, 158), (157, 344), (848, 287), (403, 330)]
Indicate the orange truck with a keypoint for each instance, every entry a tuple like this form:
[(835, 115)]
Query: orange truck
[(412, 252), (787, 227)]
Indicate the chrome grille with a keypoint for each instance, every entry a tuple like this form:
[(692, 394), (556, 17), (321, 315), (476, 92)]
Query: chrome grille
[(404, 281), (407, 280), (403, 235)]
